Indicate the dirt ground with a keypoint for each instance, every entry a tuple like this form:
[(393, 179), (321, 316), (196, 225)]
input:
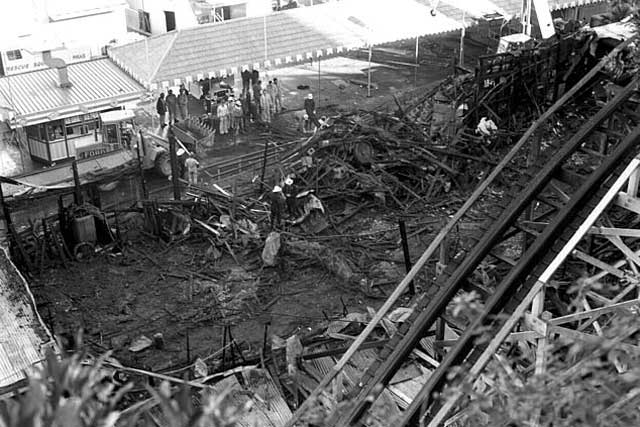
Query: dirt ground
[(181, 290)]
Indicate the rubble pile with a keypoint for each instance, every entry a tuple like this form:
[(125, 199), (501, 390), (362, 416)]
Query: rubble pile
[(391, 161)]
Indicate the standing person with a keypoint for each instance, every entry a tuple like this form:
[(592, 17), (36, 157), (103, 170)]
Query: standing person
[(183, 104), (255, 77), (161, 108), (302, 120), (246, 111), (276, 200), (192, 168), (237, 117), (172, 106), (206, 102), (223, 116), (265, 108), (310, 108), (278, 95), (257, 94), (246, 82), (290, 193), (271, 93)]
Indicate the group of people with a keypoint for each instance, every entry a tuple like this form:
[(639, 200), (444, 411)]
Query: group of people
[(231, 113), (255, 104), (231, 116), (176, 106), (307, 120), (263, 102), (284, 194)]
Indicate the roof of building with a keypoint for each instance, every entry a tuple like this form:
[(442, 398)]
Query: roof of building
[(509, 8), (36, 97), (278, 39), (296, 35), (23, 336), (515, 5)]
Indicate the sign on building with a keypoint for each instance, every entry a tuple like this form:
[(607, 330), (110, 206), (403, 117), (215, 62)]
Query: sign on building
[(19, 61)]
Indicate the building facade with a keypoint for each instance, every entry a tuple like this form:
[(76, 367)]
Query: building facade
[(57, 111), (154, 17), (71, 30)]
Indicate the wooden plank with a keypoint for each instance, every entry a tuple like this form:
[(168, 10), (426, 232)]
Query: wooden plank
[(264, 390), (424, 356), (593, 312), (523, 336), (599, 264), (628, 202), (570, 177), (610, 231), (634, 182), (581, 336), (626, 250)]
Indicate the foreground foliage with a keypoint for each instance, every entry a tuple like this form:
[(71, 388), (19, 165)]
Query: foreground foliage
[(71, 392)]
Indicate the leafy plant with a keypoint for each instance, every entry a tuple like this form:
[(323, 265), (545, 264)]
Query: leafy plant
[(76, 391)]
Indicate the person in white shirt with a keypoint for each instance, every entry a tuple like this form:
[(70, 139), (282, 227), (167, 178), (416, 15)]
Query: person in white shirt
[(192, 169), (223, 116)]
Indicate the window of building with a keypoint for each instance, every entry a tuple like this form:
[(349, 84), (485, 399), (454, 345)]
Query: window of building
[(144, 21), (170, 20), (14, 55), (34, 132)]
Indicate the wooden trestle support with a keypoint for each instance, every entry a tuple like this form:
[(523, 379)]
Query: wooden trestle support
[(599, 305)]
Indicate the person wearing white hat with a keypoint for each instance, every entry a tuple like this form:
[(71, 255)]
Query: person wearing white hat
[(276, 200), (290, 196), (237, 117)]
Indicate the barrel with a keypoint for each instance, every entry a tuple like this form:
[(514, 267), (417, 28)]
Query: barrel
[(84, 229)]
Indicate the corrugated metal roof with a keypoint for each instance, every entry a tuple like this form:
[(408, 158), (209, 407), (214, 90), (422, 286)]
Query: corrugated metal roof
[(277, 39), (23, 336), (297, 35), (513, 7), (97, 85)]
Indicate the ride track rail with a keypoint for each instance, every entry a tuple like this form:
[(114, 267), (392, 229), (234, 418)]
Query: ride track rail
[(549, 182)]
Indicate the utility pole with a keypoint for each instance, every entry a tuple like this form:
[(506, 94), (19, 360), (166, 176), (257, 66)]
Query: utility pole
[(175, 170), (318, 103), (145, 195), (415, 70), (77, 193)]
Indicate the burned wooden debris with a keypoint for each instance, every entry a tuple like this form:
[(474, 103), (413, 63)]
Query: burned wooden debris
[(363, 194)]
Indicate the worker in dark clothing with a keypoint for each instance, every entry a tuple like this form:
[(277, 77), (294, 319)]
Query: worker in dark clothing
[(255, 76), (206, 101), (257, 93), (276, 199), (246, 82), (204, 84), (310, 109), (290, 193), (161, 108), (172, 106)]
